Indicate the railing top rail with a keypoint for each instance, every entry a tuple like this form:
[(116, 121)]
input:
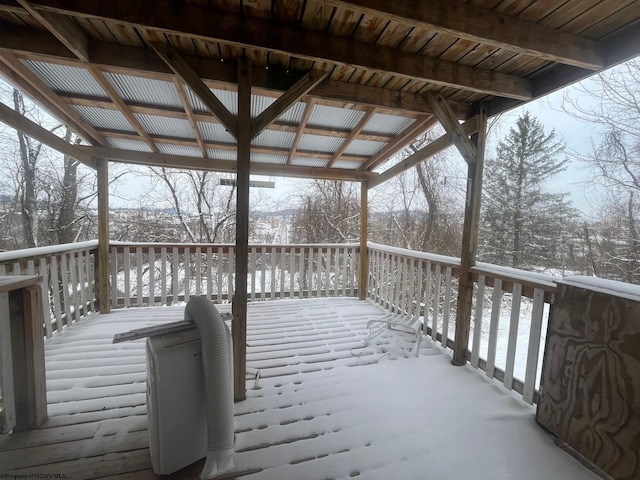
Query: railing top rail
[(431, 257), (533, 279), (37, 252), (231, 245)]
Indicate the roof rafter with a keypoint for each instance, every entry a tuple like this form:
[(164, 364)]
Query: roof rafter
[(485, 26), (195, 21), (32, 85), (300, 132), (43, 46), (345, 144), (284, 102), (190, 116), (182, 69)]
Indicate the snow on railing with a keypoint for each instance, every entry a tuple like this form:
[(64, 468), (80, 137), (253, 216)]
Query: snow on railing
[(511, 308), (144, 274), (68, 279)]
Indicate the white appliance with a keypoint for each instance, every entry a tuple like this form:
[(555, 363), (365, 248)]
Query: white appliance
[(176, 406)]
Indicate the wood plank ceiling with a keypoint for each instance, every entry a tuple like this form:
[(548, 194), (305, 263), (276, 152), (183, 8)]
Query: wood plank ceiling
[(338, 86)]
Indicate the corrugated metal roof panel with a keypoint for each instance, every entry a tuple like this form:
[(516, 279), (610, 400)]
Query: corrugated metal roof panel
[(309, 162), (66, 79), (128, 144), (215, 132), (181, 150), (364, 147), (274, 138), (145, 90), (259, 104), (228, 99), (387, 124), (195, 102), (333, 117), (222, 154), (318, 143), (346, 165), (294, 114), (269, 158), (166, 126), (103, 118)]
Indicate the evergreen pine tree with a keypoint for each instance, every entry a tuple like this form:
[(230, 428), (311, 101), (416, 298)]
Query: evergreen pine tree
[(522, 225)]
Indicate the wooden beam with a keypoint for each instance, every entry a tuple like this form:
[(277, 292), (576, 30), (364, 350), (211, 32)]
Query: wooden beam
[(409, 134), (42, 135), (229, 166), (63, 28), (286, 100), (190, 117), (470, 242), (447, 119), (363, 277), (438, 145), (57, 107), (122, 106), (182, 69), (484, 26), (303, 124), (354, 133), (194, 21), (239, 326), (103, 271), (42, 46)]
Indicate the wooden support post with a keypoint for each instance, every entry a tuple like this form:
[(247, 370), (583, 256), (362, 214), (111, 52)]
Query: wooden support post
[(103, 271), (364, 257), (469, 242), (239, 325)]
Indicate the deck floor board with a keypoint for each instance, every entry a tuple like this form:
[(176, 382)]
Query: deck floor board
[(305, 421)]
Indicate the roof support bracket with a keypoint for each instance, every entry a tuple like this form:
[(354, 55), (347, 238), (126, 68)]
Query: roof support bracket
[(448, 120)]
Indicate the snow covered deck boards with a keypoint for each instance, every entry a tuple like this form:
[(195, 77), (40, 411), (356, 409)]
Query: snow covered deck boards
[(389, 416)]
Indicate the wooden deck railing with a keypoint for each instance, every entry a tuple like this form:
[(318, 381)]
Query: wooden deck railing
[(511, 306), (68, 279), (510, 311), (162, 274)]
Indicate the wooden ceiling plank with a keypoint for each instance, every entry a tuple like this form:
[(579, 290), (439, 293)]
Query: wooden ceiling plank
[(136, 61), (448, 120), (285, 101), (410, 133), (63, 28), (42, 135), (354, 133), (59, 108), (190, 117), (182, 69), (121, 105), (230, 166), (195, 21), (480, 25), (300, 132), (445, 141)]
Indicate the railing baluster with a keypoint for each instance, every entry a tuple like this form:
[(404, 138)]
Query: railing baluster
[(344, 272), (427, 298), (127, 273), (175, 262), (263, 273), (410, 304), (535, 332), (46, 306), (513, 335), (477, 324), (90, 282), (292, 267), (163, 276), (198, 271), (282, 271), (310, 270), (65, 289), (446, 309), (327, 273), (209, 267), (152, 277), (114, 277), (74, 286), (436, 304), (81, 283), (139, 282), (187, 273), (319, 274), (419, 289), (496, 300), (252, 259), (232, 256), (272, 266), (220, 272), (55, 290)]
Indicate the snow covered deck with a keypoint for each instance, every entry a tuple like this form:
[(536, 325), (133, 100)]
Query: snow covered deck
[(389, 416)]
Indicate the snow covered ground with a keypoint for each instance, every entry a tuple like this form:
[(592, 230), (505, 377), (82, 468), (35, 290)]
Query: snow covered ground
[(327, 405)]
